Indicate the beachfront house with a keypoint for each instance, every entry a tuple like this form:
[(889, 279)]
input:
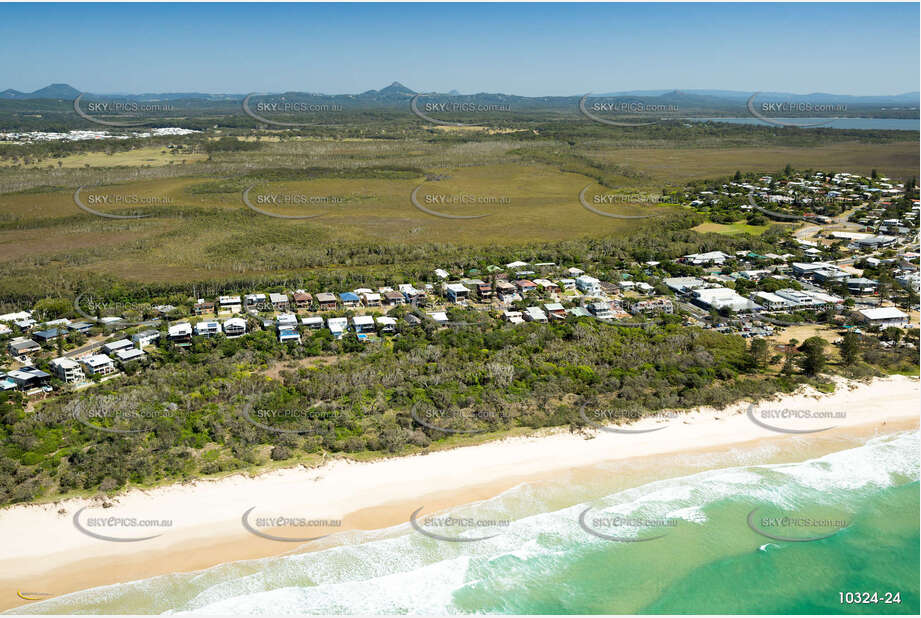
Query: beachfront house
[(456, 293), (230, 304), (363, 324), (234, 327), (279, 301), (114, 346), (337, 326), (588, 285), (67, 369), (207, 329), (145, 338), (98, 364), (349, 300), (326, 301)]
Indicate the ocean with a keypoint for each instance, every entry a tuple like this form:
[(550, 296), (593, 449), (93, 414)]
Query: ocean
[(790, 537), (879, 124)]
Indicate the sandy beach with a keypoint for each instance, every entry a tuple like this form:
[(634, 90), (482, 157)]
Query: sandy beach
[(45, 553)]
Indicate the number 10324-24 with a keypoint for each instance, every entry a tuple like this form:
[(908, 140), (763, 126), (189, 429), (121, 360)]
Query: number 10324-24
[(870, 597)]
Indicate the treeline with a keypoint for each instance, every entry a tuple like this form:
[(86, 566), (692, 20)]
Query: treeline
[(192, 411)]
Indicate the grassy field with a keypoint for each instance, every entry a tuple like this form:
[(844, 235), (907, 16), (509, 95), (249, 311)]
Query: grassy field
[(140, 157), (199, 227), (738, 227)]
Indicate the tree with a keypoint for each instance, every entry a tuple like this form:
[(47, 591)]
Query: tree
[(813, 359), (758, 353), (850, 348)]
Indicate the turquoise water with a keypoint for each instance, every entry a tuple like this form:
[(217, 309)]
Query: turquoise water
[(710, 561)]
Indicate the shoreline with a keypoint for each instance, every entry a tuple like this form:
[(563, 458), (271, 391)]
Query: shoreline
[(206, 515)]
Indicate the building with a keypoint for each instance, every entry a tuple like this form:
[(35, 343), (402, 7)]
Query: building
[(288, 334), (770, 301), (513, 317), (113, 346), (525, 286), (602, 311), (349, 299), (393, 298), (23, 347), (257, 301), (555, 310), (231, 304), (363, 324), (326, 301), (312, 322), (721, 298), (884, 317), (27, 378), (98, 364), (506, 292), (860, 285), (180, 333), (588, 285), (653, 305), (279, 301), (386, 324), (129, 354), (412, 295), (337, 326), (207, 329), (535, 314), (286, 320), (684, 285), (44, 336), (145, 338), (716, 258), (202, 307), (456, 293), (302, 299), (234, 327), (371, 299), (67, 369)]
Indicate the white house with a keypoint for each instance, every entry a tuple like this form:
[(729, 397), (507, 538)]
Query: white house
[(884, 316), (588, 285), (98, 364), (114, 346), (67, 369), (234, 327), (129, 354), (207, 329)]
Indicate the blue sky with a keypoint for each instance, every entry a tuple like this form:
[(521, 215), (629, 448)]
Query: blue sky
[(527, 49)]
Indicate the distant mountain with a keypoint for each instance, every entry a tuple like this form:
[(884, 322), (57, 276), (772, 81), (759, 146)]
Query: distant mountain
[(815, 97), (54, 91), (9, 93)]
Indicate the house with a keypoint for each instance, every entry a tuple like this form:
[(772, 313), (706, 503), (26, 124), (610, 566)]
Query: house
[(456, 293), (588, 285), (547, 286), (113, 346), (568, 284), (313, 322), (513, 317), (386, 324), (23, 347), (574, 272), (207, 329), (644, 288), (602, 311), (337, 326), (525, 286), (721, 298), (535, 314), (371, 299), (286, 320), (98, 364), (80, 327), (180, 333), (506, 292), (326, 301), (288, 334), (234, 327), (257, 301), (439, 317), (411, 294), (653, 305), (518, 264), (67, 369), (484, 291), (279, 301), (129, 354), (412, 319), (441, 273), (27, 378), (44, 336), (302, 299), (579, 312), (684, 285), (393, 298), (716, 258), (363, 324), (860, 285), (884, 316), (230, 304), (145, 338), (771, 302), (202, 307), (555, 310), (349, 299)]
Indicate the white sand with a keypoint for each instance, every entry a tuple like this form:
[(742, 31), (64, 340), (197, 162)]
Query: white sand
[(31, 535)]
